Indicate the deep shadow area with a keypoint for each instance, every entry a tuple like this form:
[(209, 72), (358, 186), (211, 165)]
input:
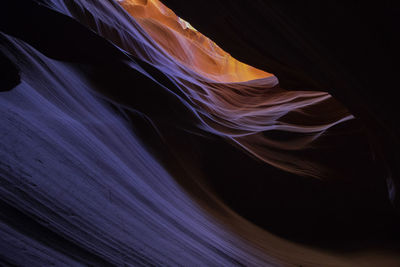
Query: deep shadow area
[(9, 74), (349, 49), (349, 212), (352, 212), (344, 213)]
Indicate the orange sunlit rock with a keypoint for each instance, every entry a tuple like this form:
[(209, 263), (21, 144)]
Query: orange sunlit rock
[(187, 45)]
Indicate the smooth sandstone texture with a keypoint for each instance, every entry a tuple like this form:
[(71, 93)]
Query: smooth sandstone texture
[(187, 45), (113, 152)]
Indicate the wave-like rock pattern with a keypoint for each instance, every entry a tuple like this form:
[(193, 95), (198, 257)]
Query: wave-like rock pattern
[(102, 147), (239, 111), (187, 45)]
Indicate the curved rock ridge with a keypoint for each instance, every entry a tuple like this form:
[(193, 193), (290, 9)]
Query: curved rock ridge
[(116, 152), (187, 45), (79, 188), (241, 112)]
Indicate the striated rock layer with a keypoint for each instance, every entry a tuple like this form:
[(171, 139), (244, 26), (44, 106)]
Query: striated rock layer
[(186, 44), (349, 49), (119, 149)]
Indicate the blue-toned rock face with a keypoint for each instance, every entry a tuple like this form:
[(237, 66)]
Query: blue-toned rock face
[(116, 151)]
